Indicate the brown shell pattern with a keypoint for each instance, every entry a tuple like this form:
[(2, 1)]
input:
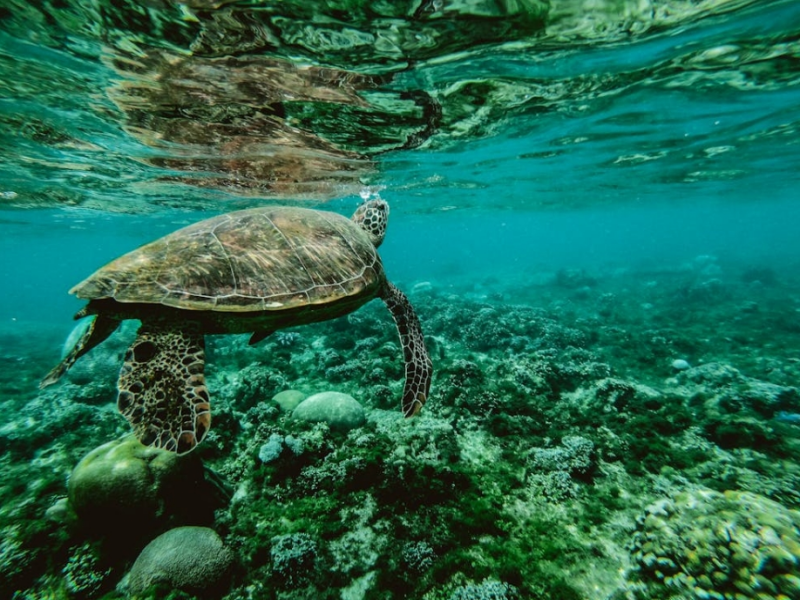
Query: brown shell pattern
[(251, 260)]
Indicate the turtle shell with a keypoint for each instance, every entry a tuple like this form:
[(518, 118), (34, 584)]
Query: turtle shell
[(260, 259)]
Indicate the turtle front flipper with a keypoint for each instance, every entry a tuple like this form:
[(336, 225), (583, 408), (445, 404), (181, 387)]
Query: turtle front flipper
[(97, 331), (259, 336), (418, 363), (162, 388)]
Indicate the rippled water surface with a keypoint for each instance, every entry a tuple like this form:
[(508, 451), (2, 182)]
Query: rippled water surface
[(137, 107)]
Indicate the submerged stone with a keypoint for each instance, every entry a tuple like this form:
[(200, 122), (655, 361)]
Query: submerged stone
[(124, 485), (288, 400), (339, 411), (189, 559), (680, 364)]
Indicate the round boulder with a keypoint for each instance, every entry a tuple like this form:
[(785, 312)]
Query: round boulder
[(340, 411), (288, 399), (190, 559), (123, 484)]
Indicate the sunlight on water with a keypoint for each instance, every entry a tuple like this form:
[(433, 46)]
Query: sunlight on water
[(112, 107)]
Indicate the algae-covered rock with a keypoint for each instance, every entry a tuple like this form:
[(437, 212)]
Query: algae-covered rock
[(340, 411), (125, 485), (707, 544), (288, 400), (190, 559), (712, 373)]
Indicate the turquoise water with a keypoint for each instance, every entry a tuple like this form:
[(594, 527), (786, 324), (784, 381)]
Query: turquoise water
[(593, 212)]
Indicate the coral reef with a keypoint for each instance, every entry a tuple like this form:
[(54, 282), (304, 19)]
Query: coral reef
[(293, 556), (288, 399), (190, 559), (340, 411), (124, 488), (486, 590), (562, 454), (704, 544), (84, 575)]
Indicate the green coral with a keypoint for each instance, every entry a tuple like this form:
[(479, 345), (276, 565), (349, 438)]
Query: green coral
[(706, 544), (523, 476), (84, 575), (488, 589), (293, 556)]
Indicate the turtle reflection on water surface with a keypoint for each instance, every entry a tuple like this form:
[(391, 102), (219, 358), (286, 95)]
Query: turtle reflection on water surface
[(251, 271)]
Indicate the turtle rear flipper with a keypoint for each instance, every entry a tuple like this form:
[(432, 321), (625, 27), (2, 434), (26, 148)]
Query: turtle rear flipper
[(99, 329), (162, 388), (418, 363)]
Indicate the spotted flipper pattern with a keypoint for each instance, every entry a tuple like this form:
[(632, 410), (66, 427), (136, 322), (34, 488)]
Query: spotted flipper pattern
[(162, 388), (418, 364)]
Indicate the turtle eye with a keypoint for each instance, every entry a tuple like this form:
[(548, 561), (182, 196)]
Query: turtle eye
[(144, 352)]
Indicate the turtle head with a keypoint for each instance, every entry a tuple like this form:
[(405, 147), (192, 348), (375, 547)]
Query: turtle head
[(372, 217)]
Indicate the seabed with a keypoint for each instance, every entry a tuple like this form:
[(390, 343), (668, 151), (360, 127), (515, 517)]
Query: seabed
[(623, 434)]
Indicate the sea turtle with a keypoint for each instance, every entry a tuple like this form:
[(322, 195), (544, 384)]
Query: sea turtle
[(249, 271)]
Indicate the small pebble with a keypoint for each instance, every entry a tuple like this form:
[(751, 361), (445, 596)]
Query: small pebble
[(680, 365)]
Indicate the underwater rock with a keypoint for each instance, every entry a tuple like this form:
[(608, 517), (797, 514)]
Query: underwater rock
[(55, 415), (717, 374), (749, 307), (60, 512), (768, 398), (705, 544), (739, 415), (759, 274), (340, 411), (730, 394), (189, 559), (288, 399), (293, 556), (574, 455), (357, 551), (124, 485), (704, 265), (552, 470), (756, 397), (246, 384), (616, 395), (680, 365)]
